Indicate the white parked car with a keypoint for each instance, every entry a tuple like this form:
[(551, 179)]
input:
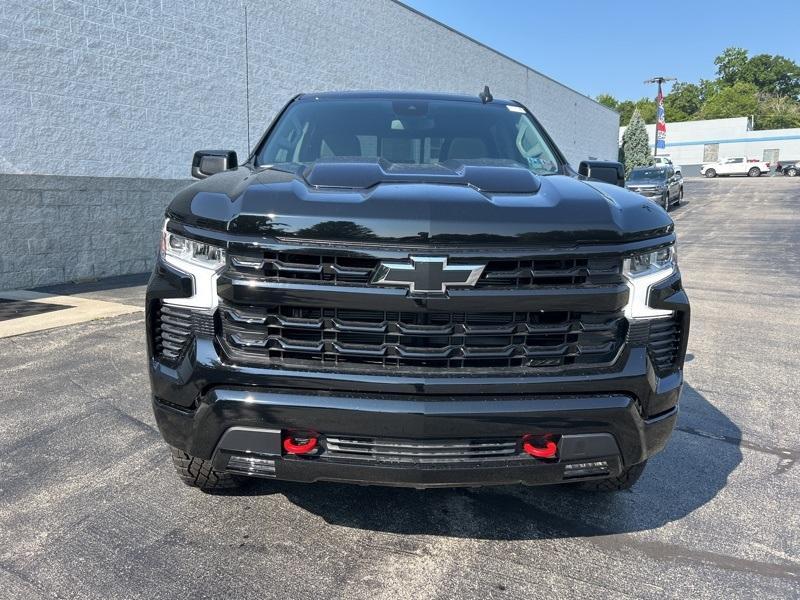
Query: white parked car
[(738, 165), (666, 161)]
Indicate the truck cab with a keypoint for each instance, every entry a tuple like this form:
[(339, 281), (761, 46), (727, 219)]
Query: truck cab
[(736, 165)]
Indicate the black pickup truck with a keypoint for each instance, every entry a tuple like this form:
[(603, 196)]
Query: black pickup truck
[(413, 290)]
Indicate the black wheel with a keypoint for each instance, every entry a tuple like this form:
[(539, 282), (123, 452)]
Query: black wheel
[(623, 481), (754, 172), (680, 197), (196, 472), (665, 201), (711, 173), (791, 172)]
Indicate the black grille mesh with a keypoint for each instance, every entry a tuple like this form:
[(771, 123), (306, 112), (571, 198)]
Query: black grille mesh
[(418, 451), (292, 334)]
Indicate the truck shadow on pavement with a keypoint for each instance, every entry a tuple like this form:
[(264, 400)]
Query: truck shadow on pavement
[(688, 473)]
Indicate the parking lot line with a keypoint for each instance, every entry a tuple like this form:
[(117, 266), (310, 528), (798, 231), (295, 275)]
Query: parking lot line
[(79, 310)]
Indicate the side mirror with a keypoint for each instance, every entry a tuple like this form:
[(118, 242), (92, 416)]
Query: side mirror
[(603, 170), (210, 162)]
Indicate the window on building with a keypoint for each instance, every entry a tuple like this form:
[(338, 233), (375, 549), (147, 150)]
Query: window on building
[(772, 155), (711, 153)]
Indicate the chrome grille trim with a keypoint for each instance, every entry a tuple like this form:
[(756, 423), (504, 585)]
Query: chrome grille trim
[(343, 267)]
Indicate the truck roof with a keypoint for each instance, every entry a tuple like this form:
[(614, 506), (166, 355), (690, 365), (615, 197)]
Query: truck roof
[(388, 95)]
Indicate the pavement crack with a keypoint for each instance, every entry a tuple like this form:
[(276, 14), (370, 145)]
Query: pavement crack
[(661, 550), (614, 541), (787, 456)]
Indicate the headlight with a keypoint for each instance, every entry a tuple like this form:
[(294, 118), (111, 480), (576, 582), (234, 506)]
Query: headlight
[(200, 260), (642, 271), (177, 250)]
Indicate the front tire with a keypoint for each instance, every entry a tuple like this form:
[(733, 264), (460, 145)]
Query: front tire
[(680, 197), (792, 172), (665, 201), (623, 481), (711, 173), (197, 472), (754, 172)]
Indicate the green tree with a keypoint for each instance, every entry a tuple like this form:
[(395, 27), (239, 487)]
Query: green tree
[(625, 110), (770, 73), (683, 102), (608, 101), (730, 65), (647, 109), (737, 100), (635, 150), (645, 106), (709, 87), (777, 112), (773, 74)]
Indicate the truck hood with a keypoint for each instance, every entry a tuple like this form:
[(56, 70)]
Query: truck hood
[(456, 203)]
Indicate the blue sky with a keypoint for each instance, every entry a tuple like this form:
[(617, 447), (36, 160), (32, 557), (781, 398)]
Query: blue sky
[(621, 39)]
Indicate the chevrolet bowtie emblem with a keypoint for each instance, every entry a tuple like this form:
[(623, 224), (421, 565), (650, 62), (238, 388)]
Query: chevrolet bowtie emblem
[(427, 274)]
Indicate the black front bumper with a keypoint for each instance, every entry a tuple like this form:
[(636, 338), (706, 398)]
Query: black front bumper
[(205, 395), (268, 409)]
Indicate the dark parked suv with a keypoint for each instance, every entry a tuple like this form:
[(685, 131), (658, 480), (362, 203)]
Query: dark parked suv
[(661, 184), (414, 290)]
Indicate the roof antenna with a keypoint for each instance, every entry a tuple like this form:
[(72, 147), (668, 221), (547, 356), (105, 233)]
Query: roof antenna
[(486, 95)]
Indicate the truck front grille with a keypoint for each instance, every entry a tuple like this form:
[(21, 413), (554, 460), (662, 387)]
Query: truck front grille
[(330, 336), (325, 269)]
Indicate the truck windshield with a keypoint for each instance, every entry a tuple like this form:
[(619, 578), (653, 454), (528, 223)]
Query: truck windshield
[(408, 131), (646, 174)]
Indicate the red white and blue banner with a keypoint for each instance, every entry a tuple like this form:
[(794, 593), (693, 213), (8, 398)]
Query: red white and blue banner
[(661, 122)]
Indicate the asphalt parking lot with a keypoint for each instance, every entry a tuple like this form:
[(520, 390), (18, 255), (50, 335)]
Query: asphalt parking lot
[(90, 506)]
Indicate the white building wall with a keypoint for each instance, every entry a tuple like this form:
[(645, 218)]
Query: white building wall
[(687, 141), (133, 88)]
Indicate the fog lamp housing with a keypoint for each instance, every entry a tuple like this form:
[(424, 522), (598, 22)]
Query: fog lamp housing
[(586, 469)]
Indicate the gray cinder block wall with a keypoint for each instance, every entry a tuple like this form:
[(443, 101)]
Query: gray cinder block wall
[(102, 103), (55, 229)]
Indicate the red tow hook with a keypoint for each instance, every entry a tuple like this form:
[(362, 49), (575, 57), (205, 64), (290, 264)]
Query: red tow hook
[(539, 446), (296, 444)]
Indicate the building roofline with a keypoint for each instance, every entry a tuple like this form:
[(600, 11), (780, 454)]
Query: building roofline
[(506, 56)]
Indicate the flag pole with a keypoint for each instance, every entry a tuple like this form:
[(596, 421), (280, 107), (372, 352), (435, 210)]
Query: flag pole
[(661, 121), (659, 104)]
